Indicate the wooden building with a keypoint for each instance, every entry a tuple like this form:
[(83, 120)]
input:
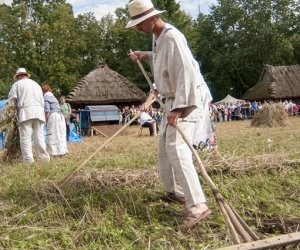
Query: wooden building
[(276, 83), (104, 86)]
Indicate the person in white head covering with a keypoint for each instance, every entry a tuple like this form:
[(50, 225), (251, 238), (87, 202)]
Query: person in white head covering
[(177, 79), (29, 100)]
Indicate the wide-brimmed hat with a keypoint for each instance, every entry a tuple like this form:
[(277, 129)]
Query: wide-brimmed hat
[(21, 71), (141, 10)]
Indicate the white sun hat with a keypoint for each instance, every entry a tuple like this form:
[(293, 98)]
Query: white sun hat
[(20, 71), (140, 10)]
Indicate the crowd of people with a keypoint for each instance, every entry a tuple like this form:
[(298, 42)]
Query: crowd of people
[(243, 110), (219, 112)]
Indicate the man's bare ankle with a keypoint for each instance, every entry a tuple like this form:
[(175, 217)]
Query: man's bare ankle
[(198, 208)]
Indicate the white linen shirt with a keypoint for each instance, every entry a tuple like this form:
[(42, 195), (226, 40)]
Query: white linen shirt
[(176, 72), (145, 117), (29, 98), (175, 69)]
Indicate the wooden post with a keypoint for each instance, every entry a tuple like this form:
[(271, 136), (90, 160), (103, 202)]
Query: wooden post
[(154, 129), (270, 243)]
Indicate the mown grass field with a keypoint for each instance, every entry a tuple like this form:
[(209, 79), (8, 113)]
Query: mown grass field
[(110, 203)]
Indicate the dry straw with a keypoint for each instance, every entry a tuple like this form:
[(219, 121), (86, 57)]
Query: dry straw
[(270, 115), (8, 124), (103, 180)]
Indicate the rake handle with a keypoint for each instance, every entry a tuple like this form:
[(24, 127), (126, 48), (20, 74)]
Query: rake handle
[(148, 79)]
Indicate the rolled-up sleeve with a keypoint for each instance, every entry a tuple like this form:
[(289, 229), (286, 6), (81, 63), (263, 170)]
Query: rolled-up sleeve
[(13, 92)]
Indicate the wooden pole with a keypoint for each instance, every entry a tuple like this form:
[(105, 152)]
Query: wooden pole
[(148, 80)]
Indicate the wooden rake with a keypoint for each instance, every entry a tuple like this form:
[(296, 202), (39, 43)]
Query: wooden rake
[(238, 227)]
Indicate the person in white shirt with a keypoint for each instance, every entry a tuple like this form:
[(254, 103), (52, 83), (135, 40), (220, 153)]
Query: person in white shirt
[(177, 78), (147, 121), (29, 100)]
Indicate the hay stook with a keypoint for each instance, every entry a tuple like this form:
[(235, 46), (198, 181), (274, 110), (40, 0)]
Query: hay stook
[(270, 115)]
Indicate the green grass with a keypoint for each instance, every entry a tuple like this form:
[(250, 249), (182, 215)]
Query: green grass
[(110, 203)]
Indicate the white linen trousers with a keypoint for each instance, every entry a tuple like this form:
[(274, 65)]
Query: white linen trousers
[(175, 159), (33, 128)]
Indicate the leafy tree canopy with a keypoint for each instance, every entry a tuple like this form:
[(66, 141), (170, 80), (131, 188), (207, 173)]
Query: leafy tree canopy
[(232, 43)]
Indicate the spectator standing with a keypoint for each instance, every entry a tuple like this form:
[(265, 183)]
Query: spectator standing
[(126, 114), (295, 109), (244, 110), (176, 78), (225, 112), (55, 124), (120, 117), (237, 111), (254, 108), (230, 112), (66, 111), (220, 112), (77, 123), (286, 107), (29, 100), (291, 110)]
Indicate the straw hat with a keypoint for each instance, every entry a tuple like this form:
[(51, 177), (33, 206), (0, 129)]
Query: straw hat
[(21, 71), (141, 10)]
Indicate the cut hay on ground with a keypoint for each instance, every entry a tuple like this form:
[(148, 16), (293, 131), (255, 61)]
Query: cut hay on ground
[(250, 164), (103, 180), (270, 115), (115, 196)]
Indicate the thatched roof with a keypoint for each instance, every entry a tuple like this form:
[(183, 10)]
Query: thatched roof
[(276, 82), (104, 86)]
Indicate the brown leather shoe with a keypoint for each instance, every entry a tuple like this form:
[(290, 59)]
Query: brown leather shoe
[(192, 219)]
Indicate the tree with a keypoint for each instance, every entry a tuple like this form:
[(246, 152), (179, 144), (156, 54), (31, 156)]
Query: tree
[(239, 37), (44, 37)]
